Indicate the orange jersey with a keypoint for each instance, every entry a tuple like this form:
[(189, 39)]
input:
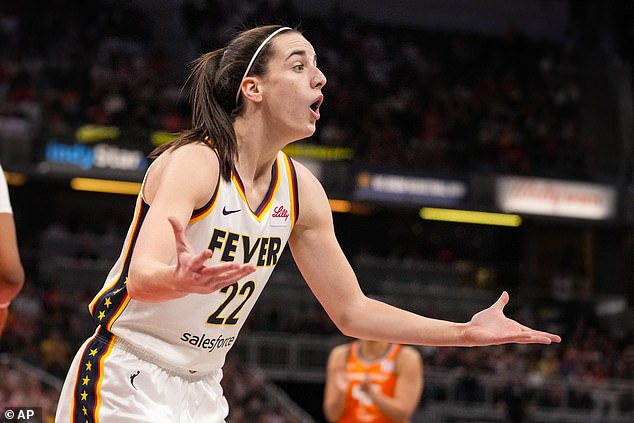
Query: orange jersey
[(380, 372)]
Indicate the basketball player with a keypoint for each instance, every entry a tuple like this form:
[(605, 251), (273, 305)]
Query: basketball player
[(373, 382), (216, 208), (11, 270)]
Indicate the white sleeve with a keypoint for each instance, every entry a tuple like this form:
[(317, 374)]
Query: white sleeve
[(5, 204)]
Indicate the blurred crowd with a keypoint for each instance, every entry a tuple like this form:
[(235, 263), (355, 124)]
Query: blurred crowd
[(403, 98), (88, 63)]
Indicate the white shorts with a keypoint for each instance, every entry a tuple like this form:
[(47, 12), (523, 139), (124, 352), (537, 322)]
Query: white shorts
[(109, 384)]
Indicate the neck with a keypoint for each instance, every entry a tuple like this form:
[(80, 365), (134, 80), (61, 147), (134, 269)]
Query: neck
[(257, 149), (372, 350)]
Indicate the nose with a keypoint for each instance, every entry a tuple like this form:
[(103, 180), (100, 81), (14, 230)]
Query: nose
[(319, 79)]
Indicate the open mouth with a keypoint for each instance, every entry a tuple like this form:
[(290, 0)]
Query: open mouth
[(315, 106)]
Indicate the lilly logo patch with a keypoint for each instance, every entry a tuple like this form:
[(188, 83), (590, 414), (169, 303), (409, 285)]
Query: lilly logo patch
[(280, 216)]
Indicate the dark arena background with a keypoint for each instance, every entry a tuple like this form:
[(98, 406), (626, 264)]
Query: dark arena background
[(434, 109)]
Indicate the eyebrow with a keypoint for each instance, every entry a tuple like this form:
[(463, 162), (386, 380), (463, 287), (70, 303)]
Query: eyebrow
[(302, 53)]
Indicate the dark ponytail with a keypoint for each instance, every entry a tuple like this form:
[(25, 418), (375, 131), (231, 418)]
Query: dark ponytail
[(215, 79)]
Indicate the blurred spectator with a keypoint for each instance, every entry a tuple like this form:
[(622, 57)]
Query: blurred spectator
[(56, 353)]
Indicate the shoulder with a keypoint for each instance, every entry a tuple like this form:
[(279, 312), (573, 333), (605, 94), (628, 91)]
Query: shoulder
[(314, 208), (190, 155), (409, 356), (305, 177), (409, 351), (339, 353), (194, 166)]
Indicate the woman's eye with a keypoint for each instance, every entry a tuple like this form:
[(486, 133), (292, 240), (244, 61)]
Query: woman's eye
[(298, 68)]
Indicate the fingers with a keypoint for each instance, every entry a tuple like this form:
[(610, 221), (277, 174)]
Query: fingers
[(229, 271), (544, 335), (198, 262), (176, 225), (217, 276), (531, 336), (502, 301), (533, 339), (195, 274), (179, 234)]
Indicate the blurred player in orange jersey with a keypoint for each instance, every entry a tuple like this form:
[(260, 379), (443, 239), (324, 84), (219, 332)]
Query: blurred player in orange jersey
[(373, 382)]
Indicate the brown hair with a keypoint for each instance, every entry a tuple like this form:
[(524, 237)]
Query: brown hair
[(215, 79)]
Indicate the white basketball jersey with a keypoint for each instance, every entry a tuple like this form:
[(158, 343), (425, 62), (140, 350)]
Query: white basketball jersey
[(195, 332), (5, 202)]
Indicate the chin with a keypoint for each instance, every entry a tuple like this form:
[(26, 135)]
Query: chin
[(304, 134), (312, 130), (298, 133)]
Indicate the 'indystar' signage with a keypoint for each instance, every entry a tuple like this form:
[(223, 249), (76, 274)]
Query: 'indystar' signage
[(549, 197), (100, 156), (409, 189)]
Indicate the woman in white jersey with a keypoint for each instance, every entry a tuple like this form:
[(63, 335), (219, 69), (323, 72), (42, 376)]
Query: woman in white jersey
[(11, 271), (217, 206)]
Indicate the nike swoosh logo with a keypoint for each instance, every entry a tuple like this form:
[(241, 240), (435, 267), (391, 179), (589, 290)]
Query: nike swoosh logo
[(228, 212)]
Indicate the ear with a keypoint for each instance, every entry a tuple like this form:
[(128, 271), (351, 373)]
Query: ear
[(251, 89)]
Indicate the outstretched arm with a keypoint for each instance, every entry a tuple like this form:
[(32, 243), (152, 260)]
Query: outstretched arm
[(11, 270), (331, 278)]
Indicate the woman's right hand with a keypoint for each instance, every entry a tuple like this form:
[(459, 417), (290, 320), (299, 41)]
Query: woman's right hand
[(194, 275)]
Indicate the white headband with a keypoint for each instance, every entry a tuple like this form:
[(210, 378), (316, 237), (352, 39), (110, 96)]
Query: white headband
[(255, 55)]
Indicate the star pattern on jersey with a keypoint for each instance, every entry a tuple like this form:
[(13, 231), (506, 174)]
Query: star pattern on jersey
[(125, 283), (87, 375), (108, 306)]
